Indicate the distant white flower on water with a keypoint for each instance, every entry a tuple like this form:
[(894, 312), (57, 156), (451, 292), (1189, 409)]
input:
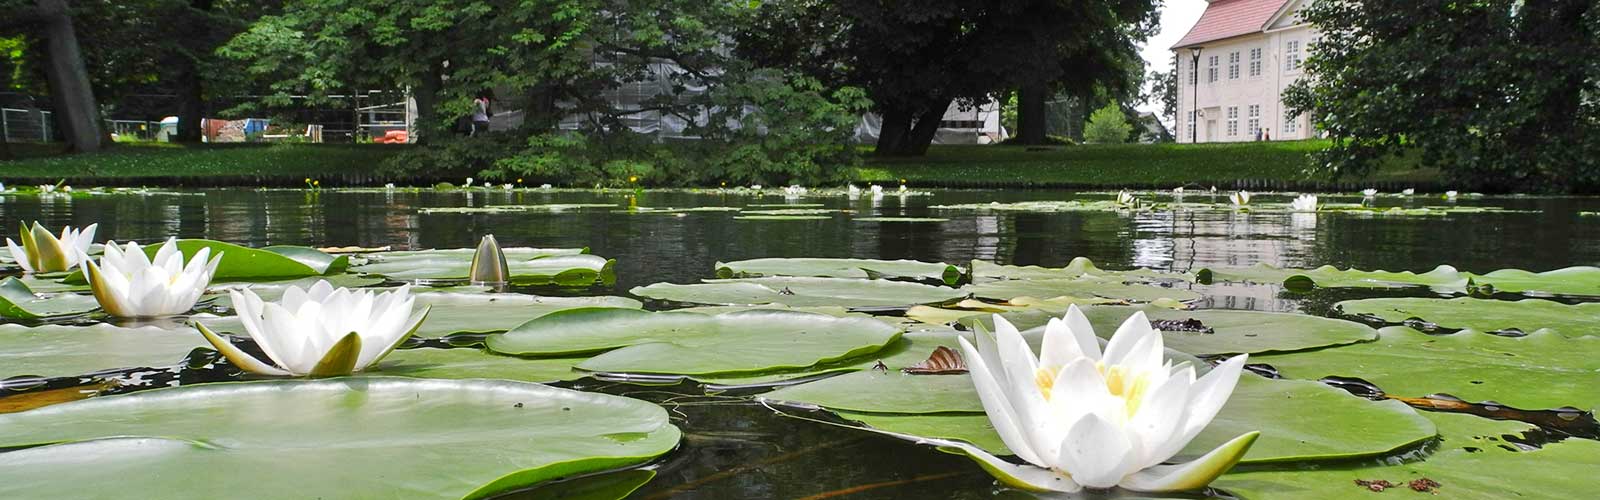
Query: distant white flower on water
[(1239, 199), (756, 187), (130, 285), (1305, 203), (468, 184), (904, 189), (877, 191), (320, 331), (1126, 198), (47, 188), (1369, 192), (1408, 191), (1082, 417), (545, 186), (389, 186), (1177, 190), (66, 189), (794, 191), (1451, 195), (1213, 189), (507, 186), (42, 252), (852, 191)]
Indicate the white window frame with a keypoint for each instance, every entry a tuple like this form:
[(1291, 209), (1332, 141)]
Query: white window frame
[(1255, 62), (1211, 69), (1233, 65), (1291, 125), (1291, 56), (1252, 127), (1233, 121), (1193, 116)]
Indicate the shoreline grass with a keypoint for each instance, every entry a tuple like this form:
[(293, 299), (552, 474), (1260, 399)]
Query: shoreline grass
[(1258, 165)]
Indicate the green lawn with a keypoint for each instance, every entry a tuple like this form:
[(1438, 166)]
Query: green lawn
[(1252, 165), (212, 164), (1131, 165)]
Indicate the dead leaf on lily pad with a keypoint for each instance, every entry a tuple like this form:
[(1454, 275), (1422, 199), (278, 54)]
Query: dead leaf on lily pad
[(943, 361)]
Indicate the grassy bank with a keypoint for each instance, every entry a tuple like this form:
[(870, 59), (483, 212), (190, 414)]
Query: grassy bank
[(1257, 164), (1244, 165), (210, 164)]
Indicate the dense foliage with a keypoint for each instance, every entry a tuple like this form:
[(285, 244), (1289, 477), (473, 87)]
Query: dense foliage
[(1107, 126), (1495, 93)]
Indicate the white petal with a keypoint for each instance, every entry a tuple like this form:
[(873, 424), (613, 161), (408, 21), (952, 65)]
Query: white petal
[(1134, 330), (1094, 452), (1001, 414), (19, 254), (1082, 331), (1206, 397), (1159, 418)]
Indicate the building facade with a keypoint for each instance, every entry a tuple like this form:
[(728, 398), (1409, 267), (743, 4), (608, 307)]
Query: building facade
[(1233, 66)]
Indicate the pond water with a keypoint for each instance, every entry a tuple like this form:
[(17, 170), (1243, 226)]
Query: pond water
[(734, 449)]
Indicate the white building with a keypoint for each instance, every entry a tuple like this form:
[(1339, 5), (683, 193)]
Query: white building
[(1235, 63)]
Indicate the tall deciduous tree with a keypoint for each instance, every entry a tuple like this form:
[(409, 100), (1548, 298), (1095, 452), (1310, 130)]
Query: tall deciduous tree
[(76, 111), (916, 58), (1497, 93)]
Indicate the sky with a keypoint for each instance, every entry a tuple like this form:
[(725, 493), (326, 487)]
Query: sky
[(1177, 16)]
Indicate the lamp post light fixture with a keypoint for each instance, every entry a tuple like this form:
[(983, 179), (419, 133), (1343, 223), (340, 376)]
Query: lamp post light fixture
[(1194, 111)]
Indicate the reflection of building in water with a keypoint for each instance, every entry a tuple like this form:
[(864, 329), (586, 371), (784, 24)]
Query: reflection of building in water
[(1189, 240)]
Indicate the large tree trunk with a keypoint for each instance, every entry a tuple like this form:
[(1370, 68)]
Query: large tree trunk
[(892, 132), (428, 125), (76, 111), (191, 99), (927, 126), (1031, 119)]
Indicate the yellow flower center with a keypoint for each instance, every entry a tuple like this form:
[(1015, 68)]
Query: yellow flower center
[(1121, 382)]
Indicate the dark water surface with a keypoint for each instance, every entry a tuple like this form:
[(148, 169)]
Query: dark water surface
[(734, 449)]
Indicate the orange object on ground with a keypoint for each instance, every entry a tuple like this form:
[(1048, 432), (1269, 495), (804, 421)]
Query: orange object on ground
[(392, 137)]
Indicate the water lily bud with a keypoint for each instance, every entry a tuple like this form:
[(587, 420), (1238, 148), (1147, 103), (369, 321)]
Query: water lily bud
[(489, 263)]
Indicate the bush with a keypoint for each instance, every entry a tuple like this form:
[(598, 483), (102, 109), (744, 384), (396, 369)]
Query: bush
[(1107, 126)]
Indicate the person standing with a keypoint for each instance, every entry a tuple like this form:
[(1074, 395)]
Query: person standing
[(480, 115)]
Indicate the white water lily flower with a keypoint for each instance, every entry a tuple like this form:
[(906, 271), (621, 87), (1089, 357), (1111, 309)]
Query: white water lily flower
[(47, 188), (1369, 192), (42, 252), (1177, 190), (1126, 198), (320, 331), (389, 186), (1305, 203), (67, 189), (1240, 198), (130, 285), (1450, 195), (545, 186), (876, 190), (507, 186), (1083, 418), (852, 191), (904, 189), (468, 184), (794, 191), (756, 187), (1408, 191)]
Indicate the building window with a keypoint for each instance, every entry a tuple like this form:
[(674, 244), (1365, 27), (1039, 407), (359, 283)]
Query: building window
[(1233, 121), (1291, 125), (1191, 126), (1233, 65), (1253, 126), (1291, 55), (1211, 70), (1255, 62), (1194, 73)]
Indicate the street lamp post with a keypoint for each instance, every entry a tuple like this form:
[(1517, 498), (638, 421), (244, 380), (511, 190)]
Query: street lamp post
[(1194, 111)]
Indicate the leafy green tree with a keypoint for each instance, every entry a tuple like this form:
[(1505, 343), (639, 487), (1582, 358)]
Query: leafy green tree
[(1498, 94), (915, 59), (1107, 125)]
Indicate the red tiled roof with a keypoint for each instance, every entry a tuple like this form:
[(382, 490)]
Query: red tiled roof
[(1230, 18)]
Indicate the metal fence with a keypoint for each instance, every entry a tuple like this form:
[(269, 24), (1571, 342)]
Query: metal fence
[(26, 125)]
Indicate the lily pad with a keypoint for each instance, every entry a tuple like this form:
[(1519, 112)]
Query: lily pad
[(501, 209), (901, 219), (801, 292), (839, 268), (1082, 287), (475, 438), (782, 217), (1233, 331), (1578, 281), (1469, 466), (570, 267), (1541, 371), (241, 263), (1041, 206), (678, 343), (793, 211), (1483, 314), (467, 363), (60, 351), (1078, 268), (17, 301), (675, 210)]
